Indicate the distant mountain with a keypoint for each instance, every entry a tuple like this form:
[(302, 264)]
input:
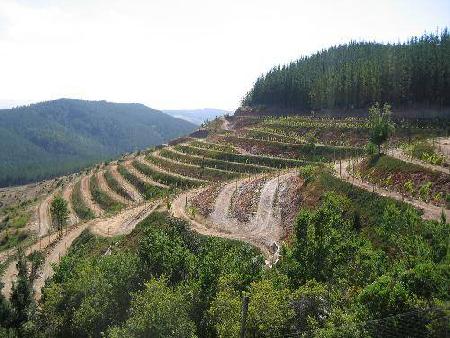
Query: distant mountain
[(56, 137), (197, 116)]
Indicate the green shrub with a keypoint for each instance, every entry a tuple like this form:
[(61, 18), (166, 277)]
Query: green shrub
[(78, 204)]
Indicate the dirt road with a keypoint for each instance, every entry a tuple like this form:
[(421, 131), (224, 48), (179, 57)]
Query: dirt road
[(66, 194), (124, 222), (10, 272), (264, 229), (54, 256), (44, 218)]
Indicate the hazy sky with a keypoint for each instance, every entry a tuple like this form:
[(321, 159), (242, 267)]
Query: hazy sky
[(182, 54)]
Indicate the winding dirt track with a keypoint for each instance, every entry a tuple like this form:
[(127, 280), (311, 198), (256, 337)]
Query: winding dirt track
[(87, 197), (10, 273), (66, 194), (130, 189), (111, 193), (44, 217), (267, 222), (429, 211), (55, 255), (124, 222), (399, 154), (264, 229), (121, 224)]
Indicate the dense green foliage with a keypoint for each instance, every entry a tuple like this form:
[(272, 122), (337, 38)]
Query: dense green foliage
[(358, 265), (59, 212), (12, 225), (358, 74), (158, 283), (380, 124), (57, 137), (102, 198)]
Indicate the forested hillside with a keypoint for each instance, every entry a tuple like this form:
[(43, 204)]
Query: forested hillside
[(55, 137), (414, 74)]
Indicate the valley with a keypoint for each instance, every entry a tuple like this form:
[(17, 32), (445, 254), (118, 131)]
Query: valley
[(320, 208), (236, 184)]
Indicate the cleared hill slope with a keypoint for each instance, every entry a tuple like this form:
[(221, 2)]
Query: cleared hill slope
[(55, 137)]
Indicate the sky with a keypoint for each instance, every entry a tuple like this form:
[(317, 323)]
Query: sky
[(171, 54)]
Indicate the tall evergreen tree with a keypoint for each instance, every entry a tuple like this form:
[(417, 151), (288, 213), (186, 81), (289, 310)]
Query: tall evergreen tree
[(358, 74)]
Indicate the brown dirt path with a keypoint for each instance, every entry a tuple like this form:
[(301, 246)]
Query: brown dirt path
[(220, 216), (264, 229), (10, 272), (120, 224), (130, 189), (429, 211), (124, 222), (44, 215), (399, 154), (443, 146), (111, 193), (66, 194), (178, 209), (87, 197), (54, 256)]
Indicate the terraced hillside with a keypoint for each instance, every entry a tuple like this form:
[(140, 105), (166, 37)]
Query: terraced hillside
[(246, 180)]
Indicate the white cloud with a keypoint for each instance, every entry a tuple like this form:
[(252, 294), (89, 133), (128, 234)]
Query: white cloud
[(173, 53)]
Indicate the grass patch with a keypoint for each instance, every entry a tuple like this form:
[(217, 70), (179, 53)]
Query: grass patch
[(197, 172), (115, 186), (214, 146), (424, 151), (11, 239), (274, 162), (164, 178), (80, 208), (102, 198), (213, 163), (147, 190), (409, 179)]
